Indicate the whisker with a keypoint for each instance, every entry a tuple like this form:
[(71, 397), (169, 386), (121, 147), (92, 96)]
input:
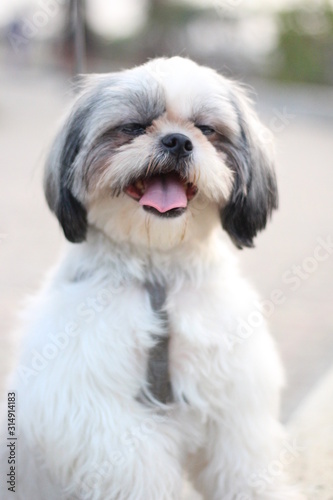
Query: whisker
[(147, 225), (151, 160), (184, 230)]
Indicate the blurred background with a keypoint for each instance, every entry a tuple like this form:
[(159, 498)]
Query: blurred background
[(282, 50)]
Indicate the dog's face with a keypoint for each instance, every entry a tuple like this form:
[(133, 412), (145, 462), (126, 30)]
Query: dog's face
[(160, 154)]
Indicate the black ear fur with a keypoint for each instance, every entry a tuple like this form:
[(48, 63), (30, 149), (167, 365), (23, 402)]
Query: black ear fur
[(72, 216), (254, 194), (70, 212)]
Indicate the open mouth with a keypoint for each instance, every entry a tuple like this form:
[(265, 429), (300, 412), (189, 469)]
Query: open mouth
[(166, 195)]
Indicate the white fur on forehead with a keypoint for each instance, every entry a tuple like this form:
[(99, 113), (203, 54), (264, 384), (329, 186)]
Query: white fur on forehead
[(179, 86), (163, 68), (194, 92)]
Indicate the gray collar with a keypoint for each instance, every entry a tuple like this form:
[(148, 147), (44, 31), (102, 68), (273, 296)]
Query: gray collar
[(158, 377)]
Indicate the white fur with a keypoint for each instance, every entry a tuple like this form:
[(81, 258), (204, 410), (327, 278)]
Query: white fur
[(83, 433)]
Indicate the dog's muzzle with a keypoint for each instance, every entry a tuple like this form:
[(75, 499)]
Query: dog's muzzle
[(165, 189), (166, 195)]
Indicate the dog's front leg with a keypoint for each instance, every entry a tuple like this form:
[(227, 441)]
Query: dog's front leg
[(246, 453), (242, 464)]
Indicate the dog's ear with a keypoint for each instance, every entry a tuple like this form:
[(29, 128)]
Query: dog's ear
[(64, 180), (59, 176), (254, 194)]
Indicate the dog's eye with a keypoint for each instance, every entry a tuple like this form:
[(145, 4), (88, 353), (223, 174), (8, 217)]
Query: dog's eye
[(205, 129), (133, 129)]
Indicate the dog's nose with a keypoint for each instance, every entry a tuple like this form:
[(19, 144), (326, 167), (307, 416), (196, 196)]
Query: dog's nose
[(178, 145)]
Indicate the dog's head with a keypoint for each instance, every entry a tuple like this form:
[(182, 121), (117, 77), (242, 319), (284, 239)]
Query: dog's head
[(161, 153)]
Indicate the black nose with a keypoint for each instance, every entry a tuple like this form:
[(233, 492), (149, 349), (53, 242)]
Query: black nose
[(177, 144)]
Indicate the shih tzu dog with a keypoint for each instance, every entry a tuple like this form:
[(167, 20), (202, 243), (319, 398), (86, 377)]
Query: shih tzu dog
[(139, 365)]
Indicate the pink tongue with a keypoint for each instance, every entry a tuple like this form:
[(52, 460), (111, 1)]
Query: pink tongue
[(164, 193)]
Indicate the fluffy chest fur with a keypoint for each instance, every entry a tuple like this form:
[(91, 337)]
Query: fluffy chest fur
[(106, 325), (102, 305)]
